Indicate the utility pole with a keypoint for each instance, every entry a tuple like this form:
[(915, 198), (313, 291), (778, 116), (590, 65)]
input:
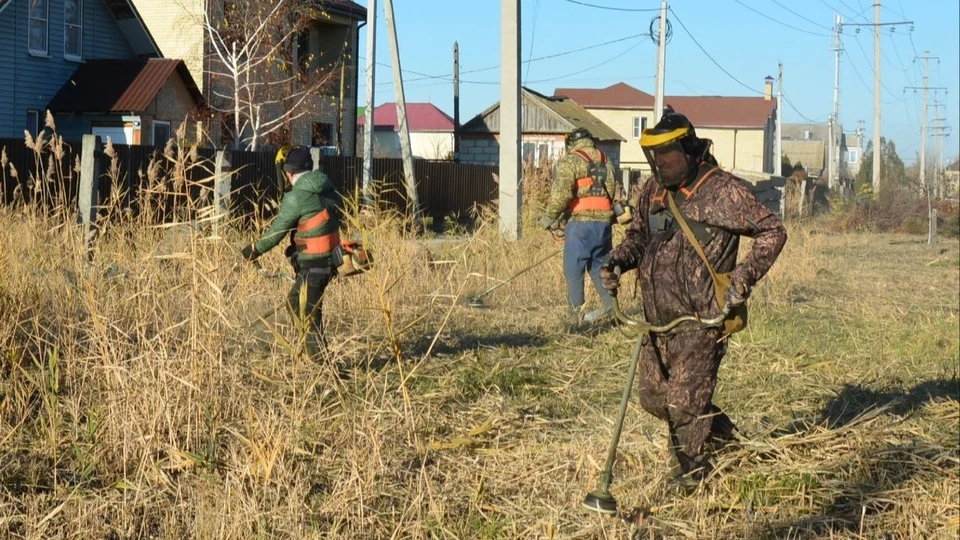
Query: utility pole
[(778, 159), (877, 85), (831, 172), (456, 102), (661, 63), (877, 150), (410, 181), (923, 121), (510, 119), (939, 132), (835, 121), (932, 213), (367, 187)]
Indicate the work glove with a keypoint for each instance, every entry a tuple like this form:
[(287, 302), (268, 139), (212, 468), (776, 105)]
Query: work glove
[(737, 294), (610, 277), (249, 253), (546, 222)]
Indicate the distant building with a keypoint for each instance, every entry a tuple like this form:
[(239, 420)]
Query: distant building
[(431, 131), (545, 124), (807, 144), (92, 64), (328, 44), (742, 128), (951, 181)]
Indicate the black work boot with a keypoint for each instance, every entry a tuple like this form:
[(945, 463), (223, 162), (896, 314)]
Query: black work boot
[(686, 472), (723, 432)]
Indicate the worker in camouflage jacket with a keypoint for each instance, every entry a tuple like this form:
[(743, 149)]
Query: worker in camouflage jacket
[(582, 196), (678, 369), (310, 215)]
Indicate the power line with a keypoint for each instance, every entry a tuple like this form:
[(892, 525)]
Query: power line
[(612, 8), (802, 17), (533, 37), (846, 5), (630, 48), (778, 21), (805, 117), (865, 57), (449, 77), (712, 59)]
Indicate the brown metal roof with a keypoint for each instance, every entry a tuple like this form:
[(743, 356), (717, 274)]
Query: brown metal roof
[(705, 111), (544, 115), (115, 86), (617, 96)]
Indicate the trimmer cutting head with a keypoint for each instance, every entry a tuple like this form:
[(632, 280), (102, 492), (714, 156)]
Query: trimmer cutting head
[(601, 502), (475, 302)]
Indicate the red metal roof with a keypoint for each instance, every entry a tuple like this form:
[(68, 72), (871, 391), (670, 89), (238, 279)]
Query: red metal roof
[(705, 111), (420, 117), (114, 86), (722, 111)]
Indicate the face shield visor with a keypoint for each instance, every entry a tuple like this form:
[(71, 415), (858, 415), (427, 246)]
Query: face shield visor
[(666, 156)]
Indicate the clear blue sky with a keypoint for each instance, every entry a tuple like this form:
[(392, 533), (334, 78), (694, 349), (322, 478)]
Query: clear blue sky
[(746, 39)]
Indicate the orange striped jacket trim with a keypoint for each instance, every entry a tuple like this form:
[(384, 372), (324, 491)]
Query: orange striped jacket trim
[(318, 245), (314, 221)]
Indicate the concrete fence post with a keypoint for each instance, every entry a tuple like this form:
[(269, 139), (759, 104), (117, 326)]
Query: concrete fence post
[(932, 240), (803, 195), (89, 196), (625, 180), (316, 156), (222, 178)]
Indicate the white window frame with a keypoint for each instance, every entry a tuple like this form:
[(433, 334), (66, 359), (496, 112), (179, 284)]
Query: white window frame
[(79, 26), (153, 131), (639, 124), (853, 156), (33, 121), (46, 27)]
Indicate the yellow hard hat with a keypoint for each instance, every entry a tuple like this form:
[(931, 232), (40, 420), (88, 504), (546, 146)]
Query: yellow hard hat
[(282, 154)]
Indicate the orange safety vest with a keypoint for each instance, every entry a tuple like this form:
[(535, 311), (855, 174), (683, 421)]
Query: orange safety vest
[(589, 203), (317, 245)]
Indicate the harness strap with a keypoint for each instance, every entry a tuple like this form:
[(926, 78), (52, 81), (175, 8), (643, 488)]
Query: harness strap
[(590, 203)]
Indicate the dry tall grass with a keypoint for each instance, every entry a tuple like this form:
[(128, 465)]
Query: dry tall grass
[(157, 394)]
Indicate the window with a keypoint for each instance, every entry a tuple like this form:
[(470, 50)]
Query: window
[(322, 134), (639, 124), (852, 156), (529, 152), (37, 29), (73, 29), (535, 153), (33, 122), (161, 133)]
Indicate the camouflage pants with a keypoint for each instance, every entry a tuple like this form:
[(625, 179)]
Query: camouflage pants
[(678, 374)]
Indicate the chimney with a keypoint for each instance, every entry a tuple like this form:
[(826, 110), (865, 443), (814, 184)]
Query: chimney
[(768, 88)]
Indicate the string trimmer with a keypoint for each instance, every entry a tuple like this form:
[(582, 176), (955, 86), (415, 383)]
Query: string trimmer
[(600, 499), (476, 301)]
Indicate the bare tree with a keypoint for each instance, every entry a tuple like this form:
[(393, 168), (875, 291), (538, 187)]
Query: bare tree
[(262, 78)]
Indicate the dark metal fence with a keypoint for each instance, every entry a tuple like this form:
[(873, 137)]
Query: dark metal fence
[(445, 189)]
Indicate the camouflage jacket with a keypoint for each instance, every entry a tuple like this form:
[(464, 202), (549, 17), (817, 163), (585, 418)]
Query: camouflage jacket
[(719, 208), (571, 168)]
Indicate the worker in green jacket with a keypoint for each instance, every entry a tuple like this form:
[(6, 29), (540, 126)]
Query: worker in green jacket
[(310, 215)]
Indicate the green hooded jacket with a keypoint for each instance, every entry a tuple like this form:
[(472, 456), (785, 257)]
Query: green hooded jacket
[(311, 194), (563, 191)]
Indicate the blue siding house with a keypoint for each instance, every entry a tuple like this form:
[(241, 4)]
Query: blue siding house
[(44, 44)]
